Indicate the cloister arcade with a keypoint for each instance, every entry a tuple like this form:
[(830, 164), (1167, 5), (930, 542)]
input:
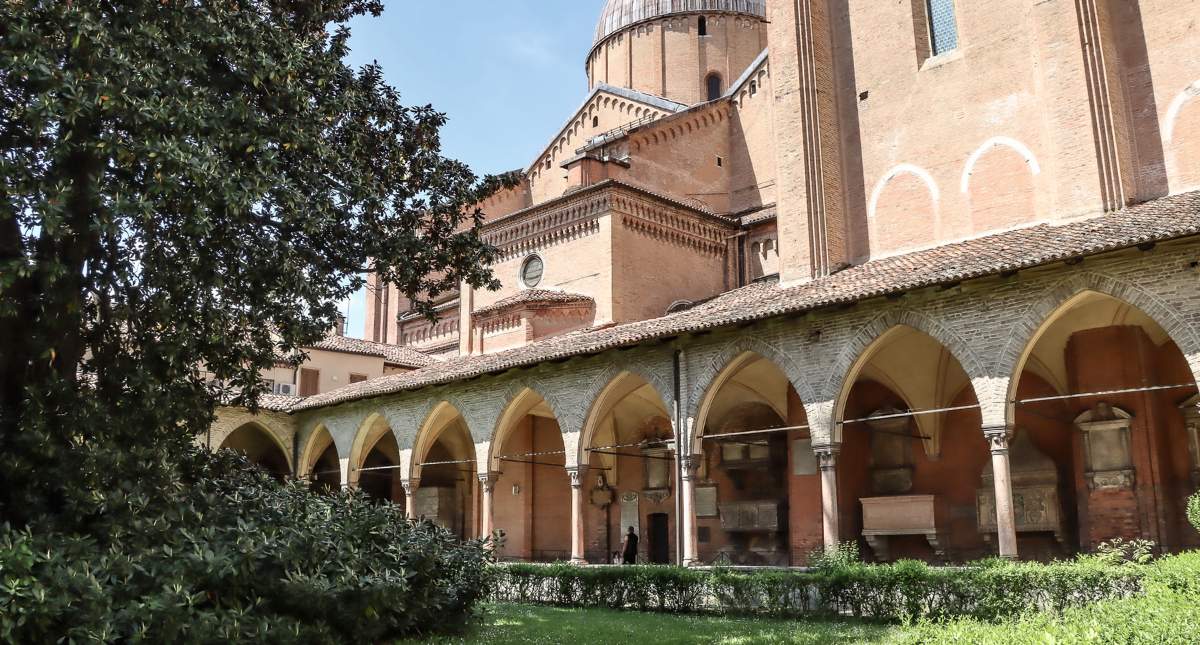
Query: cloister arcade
[(1071, 421)]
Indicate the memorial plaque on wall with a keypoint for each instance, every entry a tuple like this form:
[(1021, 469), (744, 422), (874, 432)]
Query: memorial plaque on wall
[(804, 460), (630, 515), (706, 501)]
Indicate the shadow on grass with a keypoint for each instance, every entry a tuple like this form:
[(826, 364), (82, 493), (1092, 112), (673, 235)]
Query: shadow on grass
[(537, 624)]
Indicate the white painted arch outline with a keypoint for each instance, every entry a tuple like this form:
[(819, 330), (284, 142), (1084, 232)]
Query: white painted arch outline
[(902, 169), (1190, 92), (996, 142)]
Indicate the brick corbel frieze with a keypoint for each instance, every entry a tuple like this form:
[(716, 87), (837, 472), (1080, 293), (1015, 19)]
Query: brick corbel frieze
[(575, 217)]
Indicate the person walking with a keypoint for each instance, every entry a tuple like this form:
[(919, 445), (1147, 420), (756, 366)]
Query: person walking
[(629, 547)]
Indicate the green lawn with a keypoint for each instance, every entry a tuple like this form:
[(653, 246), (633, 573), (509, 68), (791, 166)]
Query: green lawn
[(1158, 619), (532, 624)]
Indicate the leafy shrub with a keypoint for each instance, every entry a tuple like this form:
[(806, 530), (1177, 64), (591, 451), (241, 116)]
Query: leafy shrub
[(229, 555), (906, 590), (1193, 510), (842, 556), (1120, 551)]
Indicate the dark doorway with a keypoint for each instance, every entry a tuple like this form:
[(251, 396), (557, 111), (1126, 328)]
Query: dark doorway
[(660, 548)]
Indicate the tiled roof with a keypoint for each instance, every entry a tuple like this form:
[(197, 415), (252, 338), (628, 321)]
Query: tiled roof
[(1162, 219), (535, 296), (392, 354)]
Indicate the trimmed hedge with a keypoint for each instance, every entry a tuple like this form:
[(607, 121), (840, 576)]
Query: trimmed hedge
[(1168, 613), (906, 590)]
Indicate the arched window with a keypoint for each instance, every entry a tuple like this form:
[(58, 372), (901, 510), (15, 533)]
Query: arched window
[(713, 83), (702, 26), (943, 26), (595, 121)]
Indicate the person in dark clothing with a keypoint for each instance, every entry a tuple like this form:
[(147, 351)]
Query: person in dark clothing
[(629, 548)]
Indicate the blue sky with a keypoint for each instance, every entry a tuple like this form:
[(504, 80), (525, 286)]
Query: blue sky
[(507, 73)]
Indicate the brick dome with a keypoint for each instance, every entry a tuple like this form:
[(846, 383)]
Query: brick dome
[(619, 14)]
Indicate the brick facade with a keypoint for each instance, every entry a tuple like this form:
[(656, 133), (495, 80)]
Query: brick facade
[(845, 146)]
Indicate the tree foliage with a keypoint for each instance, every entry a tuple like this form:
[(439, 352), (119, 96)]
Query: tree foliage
[(225, 554), (187, 189)]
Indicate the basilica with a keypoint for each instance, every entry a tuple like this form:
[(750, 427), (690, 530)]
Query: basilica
[(922, 275)]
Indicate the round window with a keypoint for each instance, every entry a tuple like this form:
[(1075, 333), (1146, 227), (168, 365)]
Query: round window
[(531, 271)]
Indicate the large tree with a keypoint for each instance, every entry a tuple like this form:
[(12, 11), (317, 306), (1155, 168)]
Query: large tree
[(187, 189)]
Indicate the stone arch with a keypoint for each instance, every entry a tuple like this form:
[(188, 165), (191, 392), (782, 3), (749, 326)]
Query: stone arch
[(731, 359), (857, 352), (262, 429), (996, 142), (362, 445), (702, 386), (440, 415), (516, 396), (601, 386), (1045, 312), (309, 451)]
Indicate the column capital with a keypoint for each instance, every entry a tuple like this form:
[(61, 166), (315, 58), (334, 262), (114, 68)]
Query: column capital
[(689, 464), (827, 454), (577, 473), (997, 438), (488, 480), (410, 485)]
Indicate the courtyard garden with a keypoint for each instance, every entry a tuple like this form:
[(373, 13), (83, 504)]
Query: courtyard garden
[(1120, 594)]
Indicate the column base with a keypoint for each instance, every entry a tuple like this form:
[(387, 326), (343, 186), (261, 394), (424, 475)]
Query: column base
[(578, 561)]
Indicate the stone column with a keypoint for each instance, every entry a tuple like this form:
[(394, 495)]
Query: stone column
[(577, 474), (344, 474), (410, 497), (691, 549), (827, 455), (487, 483), (1006, 521)]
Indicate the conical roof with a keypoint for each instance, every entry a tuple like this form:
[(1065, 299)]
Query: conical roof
[(619, 14)]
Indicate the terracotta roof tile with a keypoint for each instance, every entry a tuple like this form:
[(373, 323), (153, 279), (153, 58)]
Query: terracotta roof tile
[(536, 297), (1162, 219), (392, 354)]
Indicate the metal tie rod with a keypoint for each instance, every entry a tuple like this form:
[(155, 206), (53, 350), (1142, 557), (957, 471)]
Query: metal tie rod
[(1132, 390)]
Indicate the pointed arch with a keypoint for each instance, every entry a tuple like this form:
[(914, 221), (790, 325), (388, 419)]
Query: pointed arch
[(440, 418), (732, 360), (608, 390), (1060, 298), (315, 442), (705, 383), (875, 334), (247, 432), (521, 400)]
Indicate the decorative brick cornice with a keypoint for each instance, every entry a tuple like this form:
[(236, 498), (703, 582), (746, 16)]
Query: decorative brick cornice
[(578, 215)]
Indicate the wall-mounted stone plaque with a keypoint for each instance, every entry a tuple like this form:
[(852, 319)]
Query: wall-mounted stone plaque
[(1108, 456), (804, 460), (706, 501), (891, 453), (630, 515), (1191, 415)]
